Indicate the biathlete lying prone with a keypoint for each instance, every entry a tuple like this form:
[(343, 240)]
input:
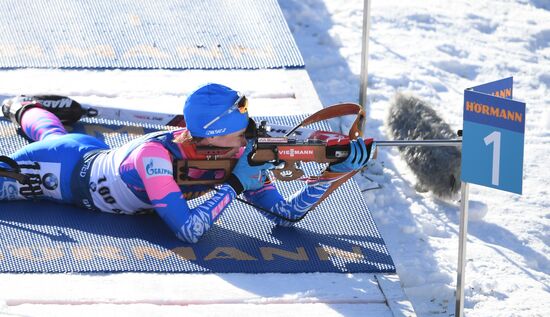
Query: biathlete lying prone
[(138, 177)]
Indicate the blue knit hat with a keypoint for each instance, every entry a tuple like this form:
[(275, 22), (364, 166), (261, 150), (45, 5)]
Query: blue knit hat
[(211, 111)]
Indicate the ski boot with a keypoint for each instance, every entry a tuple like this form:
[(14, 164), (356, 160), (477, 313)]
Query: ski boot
[(67, 110), (13, 108)]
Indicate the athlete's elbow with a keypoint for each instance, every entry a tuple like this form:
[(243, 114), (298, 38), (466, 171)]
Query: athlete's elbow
[(286, 224), (187, 238), (191, 231)]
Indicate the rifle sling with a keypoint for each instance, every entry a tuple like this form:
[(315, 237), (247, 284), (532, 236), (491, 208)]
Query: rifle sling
[(355, 131), (339, 110)]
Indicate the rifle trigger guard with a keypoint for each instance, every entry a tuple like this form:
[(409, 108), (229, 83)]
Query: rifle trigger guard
[(288, 173)]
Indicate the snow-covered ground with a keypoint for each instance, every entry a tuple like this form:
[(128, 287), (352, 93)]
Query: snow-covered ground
[(436, 49), (433, 49)]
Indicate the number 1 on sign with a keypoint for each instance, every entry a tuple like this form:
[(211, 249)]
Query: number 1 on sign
[(495, 139)]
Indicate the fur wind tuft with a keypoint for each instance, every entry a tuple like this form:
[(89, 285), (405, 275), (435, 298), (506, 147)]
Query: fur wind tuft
[(437, 168)]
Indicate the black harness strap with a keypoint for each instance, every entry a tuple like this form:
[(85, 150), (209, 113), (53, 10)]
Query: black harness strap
[(14, 171)]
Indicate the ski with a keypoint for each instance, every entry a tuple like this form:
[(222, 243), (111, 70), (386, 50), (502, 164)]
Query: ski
[(107, 112)]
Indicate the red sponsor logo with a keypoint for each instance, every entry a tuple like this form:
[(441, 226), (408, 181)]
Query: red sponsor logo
[(289, 152)]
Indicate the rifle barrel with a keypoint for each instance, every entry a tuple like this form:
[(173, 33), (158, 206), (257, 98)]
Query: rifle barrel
[(451, 142)]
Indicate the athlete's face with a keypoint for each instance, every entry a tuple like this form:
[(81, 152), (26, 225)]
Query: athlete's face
[(235, 141)]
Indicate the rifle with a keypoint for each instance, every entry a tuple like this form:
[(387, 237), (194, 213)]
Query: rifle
[(284, 146)]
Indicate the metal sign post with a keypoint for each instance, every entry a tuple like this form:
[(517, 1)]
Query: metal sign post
[(365, 55), (463, 234)]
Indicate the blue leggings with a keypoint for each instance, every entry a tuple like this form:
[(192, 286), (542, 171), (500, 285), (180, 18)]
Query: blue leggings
[(49, 161)]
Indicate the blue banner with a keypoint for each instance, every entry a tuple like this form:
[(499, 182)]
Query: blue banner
[(502, 88)]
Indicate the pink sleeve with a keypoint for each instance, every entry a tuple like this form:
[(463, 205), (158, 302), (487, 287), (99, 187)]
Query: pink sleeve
[(154, 166)]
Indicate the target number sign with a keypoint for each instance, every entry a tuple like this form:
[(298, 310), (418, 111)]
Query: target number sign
[(493, 137)]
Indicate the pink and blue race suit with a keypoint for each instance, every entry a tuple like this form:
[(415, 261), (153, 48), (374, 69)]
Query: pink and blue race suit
[(135, 178)]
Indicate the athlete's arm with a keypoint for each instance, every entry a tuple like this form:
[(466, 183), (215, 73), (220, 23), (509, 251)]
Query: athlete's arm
[(300, 203), (154, 165), (268, 197)]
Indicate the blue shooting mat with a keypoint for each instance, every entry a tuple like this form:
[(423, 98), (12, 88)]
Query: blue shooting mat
[(144, 34), (338, 236)]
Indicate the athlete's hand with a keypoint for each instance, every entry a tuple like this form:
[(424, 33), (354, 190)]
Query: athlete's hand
[(247, 175), (357, 158)]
